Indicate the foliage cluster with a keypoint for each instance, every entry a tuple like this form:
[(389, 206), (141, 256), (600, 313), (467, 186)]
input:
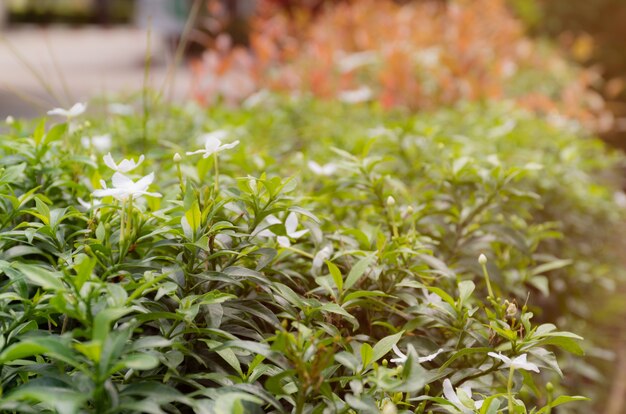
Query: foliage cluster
[(282, 273), (419, 55)]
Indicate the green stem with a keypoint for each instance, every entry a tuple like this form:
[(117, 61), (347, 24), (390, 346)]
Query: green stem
[(180, 180), (300, 252), (509, 389), (487, 281), (217, 174)]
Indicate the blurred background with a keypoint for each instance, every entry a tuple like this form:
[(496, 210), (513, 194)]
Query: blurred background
[(236, 47), (564, 60)]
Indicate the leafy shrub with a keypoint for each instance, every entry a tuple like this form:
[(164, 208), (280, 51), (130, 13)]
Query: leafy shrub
[(216, 284), (420, 55)]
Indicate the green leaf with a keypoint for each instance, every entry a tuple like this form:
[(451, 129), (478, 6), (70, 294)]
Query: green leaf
[(357, 271), (464, 352), (61, 400), (367, 354), (563, 399), (553, 265), (383, 346), (233, 403), (336, 275), (40, 276), (466, 288), (53, 346), (103, 320), (56, 132), (567, 343), (141, 361), (334, 308), (39, 131)]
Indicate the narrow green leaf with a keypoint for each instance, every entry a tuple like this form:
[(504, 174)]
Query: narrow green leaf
[(357, 271), (383, 346)]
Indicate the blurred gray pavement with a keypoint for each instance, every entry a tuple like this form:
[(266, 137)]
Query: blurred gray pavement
[(76, 64)]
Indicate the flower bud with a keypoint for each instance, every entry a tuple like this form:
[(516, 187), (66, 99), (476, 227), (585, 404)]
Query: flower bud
[(482, 259), (177, 158), (511, 310), (389, 407), (391, 201), (549, 387)]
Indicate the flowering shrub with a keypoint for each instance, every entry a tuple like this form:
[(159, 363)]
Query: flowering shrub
[(421, 55), (405, 271)]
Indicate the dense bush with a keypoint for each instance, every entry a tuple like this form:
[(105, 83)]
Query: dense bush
[(301, 257)]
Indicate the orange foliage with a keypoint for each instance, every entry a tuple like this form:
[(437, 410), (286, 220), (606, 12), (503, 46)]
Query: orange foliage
[(420, 55)]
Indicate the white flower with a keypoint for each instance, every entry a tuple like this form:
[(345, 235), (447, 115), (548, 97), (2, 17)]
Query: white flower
[(120, 109), (213, 143), (466, 394), (89, 205), (321, 256), (124, 187), (326, 169), (515, 363), (431, 299), (291, 224), (352, 61), (74, 111), (9, 120), (99, 142), (124, 166), (361, 94), (402, 357), (263, 230)]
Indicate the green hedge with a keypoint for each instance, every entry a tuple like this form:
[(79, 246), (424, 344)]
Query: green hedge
[(256, 281)]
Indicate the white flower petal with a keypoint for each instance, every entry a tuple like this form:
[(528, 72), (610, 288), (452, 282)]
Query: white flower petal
[(298, 234), (101, 142), (119, 180), (265, 233), (229, 146), (430, 357), (77, 109), (291, 224), (283, 241), (501, 357), (520, 362), (145, 182), (321, 256), (449, 394), (272, 219), (399, 353), (108, 161), (212, 145), (58, 111), (107, 192), (219, 134)]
